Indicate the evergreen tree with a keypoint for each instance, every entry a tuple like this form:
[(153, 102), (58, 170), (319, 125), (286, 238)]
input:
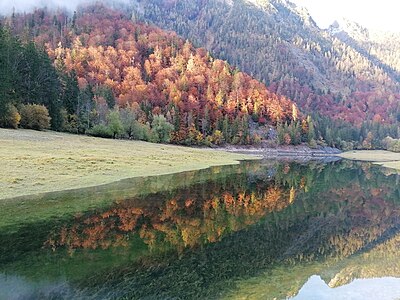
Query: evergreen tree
[(311, 130), (85, 107), (225, 129), (5, 74), (39, 82), (70, 92)]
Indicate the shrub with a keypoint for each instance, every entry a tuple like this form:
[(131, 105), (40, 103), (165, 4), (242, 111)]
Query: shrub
[(387, 142), (161, 130), (257, 140), (101, 131), (145, 131), (313, 144), (208, 141), (236, 140), (194, 137), (391, 144), (70, 122), (217, 137), (11, 118), (287, 139), (34, 116), (114, 123)]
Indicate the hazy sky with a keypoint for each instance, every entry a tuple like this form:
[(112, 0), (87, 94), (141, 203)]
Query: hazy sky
[(6, 6), (377, 14)]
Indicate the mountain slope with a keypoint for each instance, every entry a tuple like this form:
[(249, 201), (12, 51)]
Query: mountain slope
[(153, 75), (281, 45), (382, 48)]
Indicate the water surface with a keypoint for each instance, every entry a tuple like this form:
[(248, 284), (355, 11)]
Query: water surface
[(259, 230)]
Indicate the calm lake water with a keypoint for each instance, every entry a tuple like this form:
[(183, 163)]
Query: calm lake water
[(259, 230)]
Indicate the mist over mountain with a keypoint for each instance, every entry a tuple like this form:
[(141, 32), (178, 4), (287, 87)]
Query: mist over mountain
[(8, 6)]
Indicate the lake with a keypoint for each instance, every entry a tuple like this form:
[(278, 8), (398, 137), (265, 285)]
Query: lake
[(258, 230)]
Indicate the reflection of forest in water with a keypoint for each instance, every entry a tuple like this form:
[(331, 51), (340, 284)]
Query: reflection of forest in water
[(264, 228), (182, 218)]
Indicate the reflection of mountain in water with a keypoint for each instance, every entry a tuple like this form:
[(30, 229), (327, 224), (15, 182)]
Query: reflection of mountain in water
[(262, 231), (380, 261), (351, 231), (182, 218), (315, 288)]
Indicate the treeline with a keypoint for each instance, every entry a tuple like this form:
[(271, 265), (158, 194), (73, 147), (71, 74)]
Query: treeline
[(346, 136), (317, 130)]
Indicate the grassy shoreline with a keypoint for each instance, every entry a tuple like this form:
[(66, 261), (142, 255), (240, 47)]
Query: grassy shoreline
[(379, 157), (37, 162)]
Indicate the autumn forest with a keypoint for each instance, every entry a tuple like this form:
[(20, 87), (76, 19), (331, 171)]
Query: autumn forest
[(112, 77), (101, 72)]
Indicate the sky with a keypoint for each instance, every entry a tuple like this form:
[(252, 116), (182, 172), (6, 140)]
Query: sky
[(373, 14)]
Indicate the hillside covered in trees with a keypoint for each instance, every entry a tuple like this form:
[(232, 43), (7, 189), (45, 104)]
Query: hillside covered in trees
[(353, 83), (108, 73), (382, 48), (98, 72)]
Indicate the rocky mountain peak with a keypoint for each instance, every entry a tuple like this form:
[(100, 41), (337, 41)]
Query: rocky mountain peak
[(351, 28)]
